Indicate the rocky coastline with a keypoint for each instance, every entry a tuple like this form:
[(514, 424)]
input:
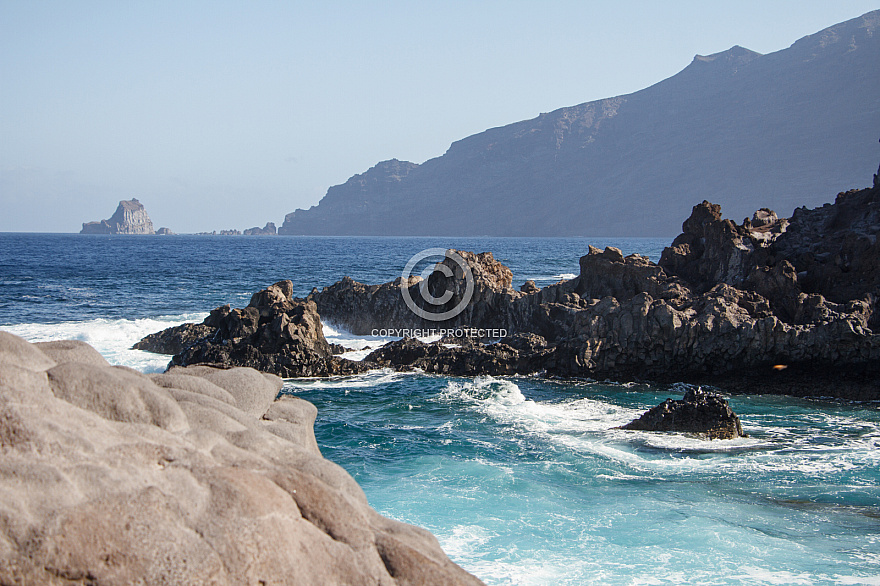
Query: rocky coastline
[(198, 475), (771, 305)]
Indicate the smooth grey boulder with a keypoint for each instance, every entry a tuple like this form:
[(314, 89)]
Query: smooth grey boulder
[(18, 352), (109, 478), (253, 391), (62, 351), (195, 384), (116, 394)]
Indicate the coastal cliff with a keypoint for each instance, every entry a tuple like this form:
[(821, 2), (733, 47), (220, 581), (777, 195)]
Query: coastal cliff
[(130, 217), (777, 130), (197, 475)]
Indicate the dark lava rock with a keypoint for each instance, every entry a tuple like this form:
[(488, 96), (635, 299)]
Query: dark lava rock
[(363, 309), (175, 340), (526, 342), (275, 333), (497, 359), (698, 412), (400, 352)]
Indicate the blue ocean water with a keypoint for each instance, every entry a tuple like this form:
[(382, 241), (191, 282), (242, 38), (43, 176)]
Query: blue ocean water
[(523, 480)]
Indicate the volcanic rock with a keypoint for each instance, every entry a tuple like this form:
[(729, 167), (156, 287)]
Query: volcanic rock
[(195, 476), (770, 305), (275, 333), (489, 359), (361, 308), (174, 340), (698, 412)]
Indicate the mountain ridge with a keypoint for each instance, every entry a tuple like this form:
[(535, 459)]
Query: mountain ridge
[(745, 129)]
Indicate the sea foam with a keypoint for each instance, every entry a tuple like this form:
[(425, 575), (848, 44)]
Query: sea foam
[(113, 338)]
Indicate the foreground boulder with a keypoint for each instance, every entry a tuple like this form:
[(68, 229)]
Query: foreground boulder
[(195, 476), (699, 412)]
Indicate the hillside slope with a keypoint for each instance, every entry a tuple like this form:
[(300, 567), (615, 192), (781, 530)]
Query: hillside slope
[(742, 129)]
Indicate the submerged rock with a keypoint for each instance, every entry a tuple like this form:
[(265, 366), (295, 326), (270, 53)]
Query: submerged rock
[(195, 476), (698, 412)]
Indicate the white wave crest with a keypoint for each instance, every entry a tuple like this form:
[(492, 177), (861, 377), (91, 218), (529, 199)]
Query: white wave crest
[(586, 426), (359, 346), (369, 380), (113, 338)]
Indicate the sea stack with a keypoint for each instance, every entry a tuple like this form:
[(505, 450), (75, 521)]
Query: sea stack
[(130, 217)]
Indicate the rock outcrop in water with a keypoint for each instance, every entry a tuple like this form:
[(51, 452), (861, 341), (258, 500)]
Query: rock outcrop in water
[(175, 339), (195, 476), (699, 412), (274, 333), (130, 217), (362, 308)]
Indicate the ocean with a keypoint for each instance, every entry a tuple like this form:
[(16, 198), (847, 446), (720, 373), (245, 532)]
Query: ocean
[(523, 480)]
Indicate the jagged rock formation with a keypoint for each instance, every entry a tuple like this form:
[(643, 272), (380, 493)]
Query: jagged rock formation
[(699, 412), (778, 130), (267, 230), (176, 339), (130, 217), (164, 232), (195, 476), (274, 333), (361, 308)]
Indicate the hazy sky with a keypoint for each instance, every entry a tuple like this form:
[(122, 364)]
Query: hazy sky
[(231, 114)]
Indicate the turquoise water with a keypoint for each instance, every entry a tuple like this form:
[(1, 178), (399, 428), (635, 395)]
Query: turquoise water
[(523, 480), (527, 482)]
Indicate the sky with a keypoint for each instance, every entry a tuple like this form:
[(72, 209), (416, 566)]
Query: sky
[(219, 115)]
